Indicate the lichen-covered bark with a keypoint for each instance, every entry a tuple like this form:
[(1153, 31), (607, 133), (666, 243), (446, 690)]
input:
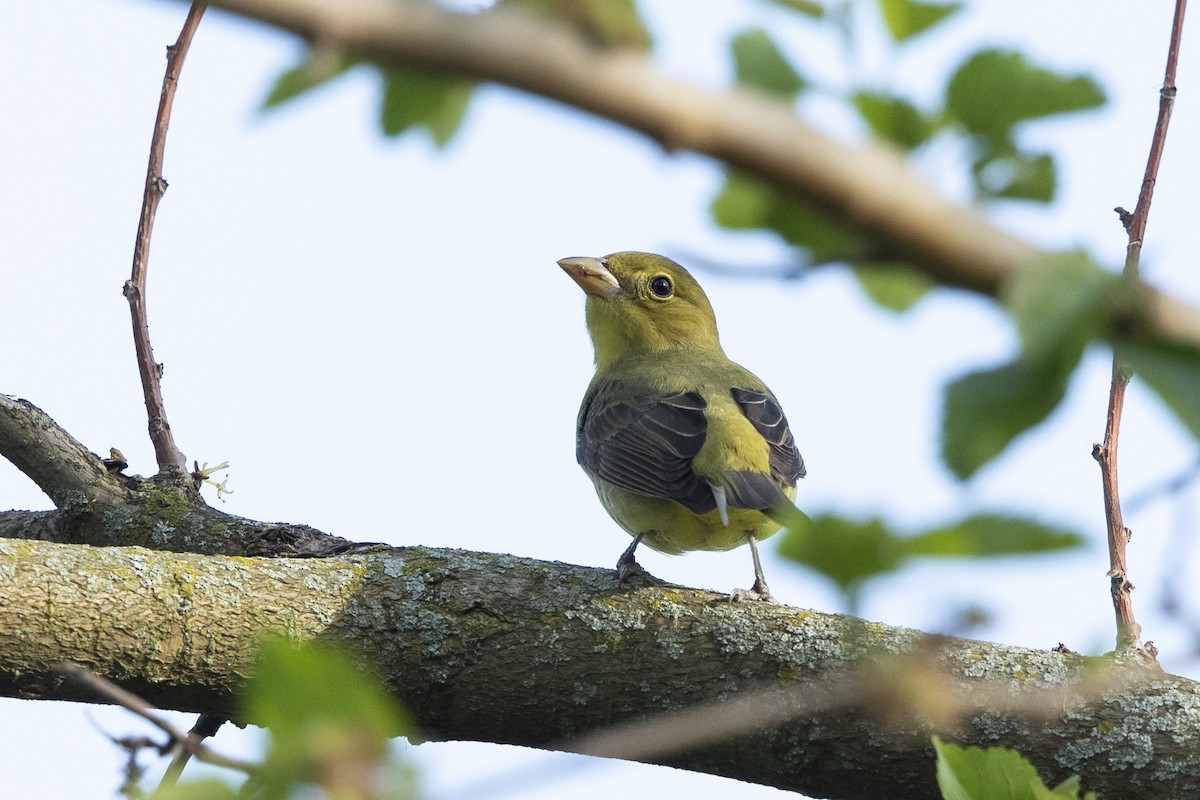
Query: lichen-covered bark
[(502, 649), (497, 648), (64, 469)]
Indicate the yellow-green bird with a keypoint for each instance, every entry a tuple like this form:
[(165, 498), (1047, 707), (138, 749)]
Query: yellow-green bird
[(688, 450)]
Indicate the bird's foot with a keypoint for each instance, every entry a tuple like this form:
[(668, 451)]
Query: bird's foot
[(627, 568), (627, 565), (758, 591)]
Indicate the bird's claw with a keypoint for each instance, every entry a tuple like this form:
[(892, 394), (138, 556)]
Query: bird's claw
[(758, 591), (627, 565), (627, 568)]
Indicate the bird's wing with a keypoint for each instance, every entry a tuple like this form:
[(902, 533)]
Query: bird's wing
[(768, 419), (645, 443)]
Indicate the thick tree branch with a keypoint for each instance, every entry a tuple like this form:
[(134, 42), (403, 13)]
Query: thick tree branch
[(71, 475), (456, 633), (870, 187)]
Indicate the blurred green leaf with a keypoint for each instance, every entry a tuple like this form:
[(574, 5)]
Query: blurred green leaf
[(893, 118), (202, 789), (1173, 372), (995, 89), (985, 410), (417, 98), (1059, 305), (1063, 301), (610, 23), (322, 711), (317, 68), (895, 287), (805, 7), (845, 551), (997, 773), (1017, 176), (850, 552), (748, 203), (759, 63), (906, 18), (992, 535)]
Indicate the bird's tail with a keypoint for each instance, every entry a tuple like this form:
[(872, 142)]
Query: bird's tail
[(789, 516), (755, 490)]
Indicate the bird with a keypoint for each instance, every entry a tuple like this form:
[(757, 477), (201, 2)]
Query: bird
[(687, 449)]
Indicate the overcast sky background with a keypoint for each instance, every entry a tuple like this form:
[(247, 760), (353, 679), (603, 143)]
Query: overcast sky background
[(362, 325)]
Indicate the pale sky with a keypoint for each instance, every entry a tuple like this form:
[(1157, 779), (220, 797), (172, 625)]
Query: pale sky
[(313, 285)]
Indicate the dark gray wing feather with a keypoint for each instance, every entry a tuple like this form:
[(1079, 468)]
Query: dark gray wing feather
[(767, 417), (646, 445)]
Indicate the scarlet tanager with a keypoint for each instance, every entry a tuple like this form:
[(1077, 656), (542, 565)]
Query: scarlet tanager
[(688, 450)]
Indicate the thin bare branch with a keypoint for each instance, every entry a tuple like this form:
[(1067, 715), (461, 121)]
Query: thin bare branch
[(1129, 633), (110, 692), (206, 725), (171, 462)]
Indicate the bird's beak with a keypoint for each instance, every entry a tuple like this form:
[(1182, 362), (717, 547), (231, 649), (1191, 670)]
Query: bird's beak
[(592, 276)]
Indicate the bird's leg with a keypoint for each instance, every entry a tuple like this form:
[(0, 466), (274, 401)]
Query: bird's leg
[(627, 564), (759, 590)]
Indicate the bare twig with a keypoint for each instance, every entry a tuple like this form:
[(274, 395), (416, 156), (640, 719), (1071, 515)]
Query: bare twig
[(206, 725), (171, 462), (895, 691), (1128, 630), (115, 694)]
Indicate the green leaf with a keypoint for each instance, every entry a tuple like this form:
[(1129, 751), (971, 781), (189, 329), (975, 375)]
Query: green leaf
[(805, 7), (997, 773), (847, 552), (1173, 372), (1017, 176), (202, 789), (906, 18), (895, 287), (985, 535), (320, 709), (850, 552), (893, 118), (1062, 301), (759, 63), (995, 89), (748, 203), (418, 98), (317, 68), (985, 410), (1059, 304)]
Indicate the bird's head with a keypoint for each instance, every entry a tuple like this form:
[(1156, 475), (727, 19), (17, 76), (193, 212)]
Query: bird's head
[(640, 302)]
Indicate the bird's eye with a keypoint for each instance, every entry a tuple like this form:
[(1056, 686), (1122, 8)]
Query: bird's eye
[(661, 286)]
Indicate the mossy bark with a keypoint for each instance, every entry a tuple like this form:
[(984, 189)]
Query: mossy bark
[(503, 649)]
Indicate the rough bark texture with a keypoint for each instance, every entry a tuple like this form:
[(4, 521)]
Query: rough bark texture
[(497, 648), (72, 476)]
